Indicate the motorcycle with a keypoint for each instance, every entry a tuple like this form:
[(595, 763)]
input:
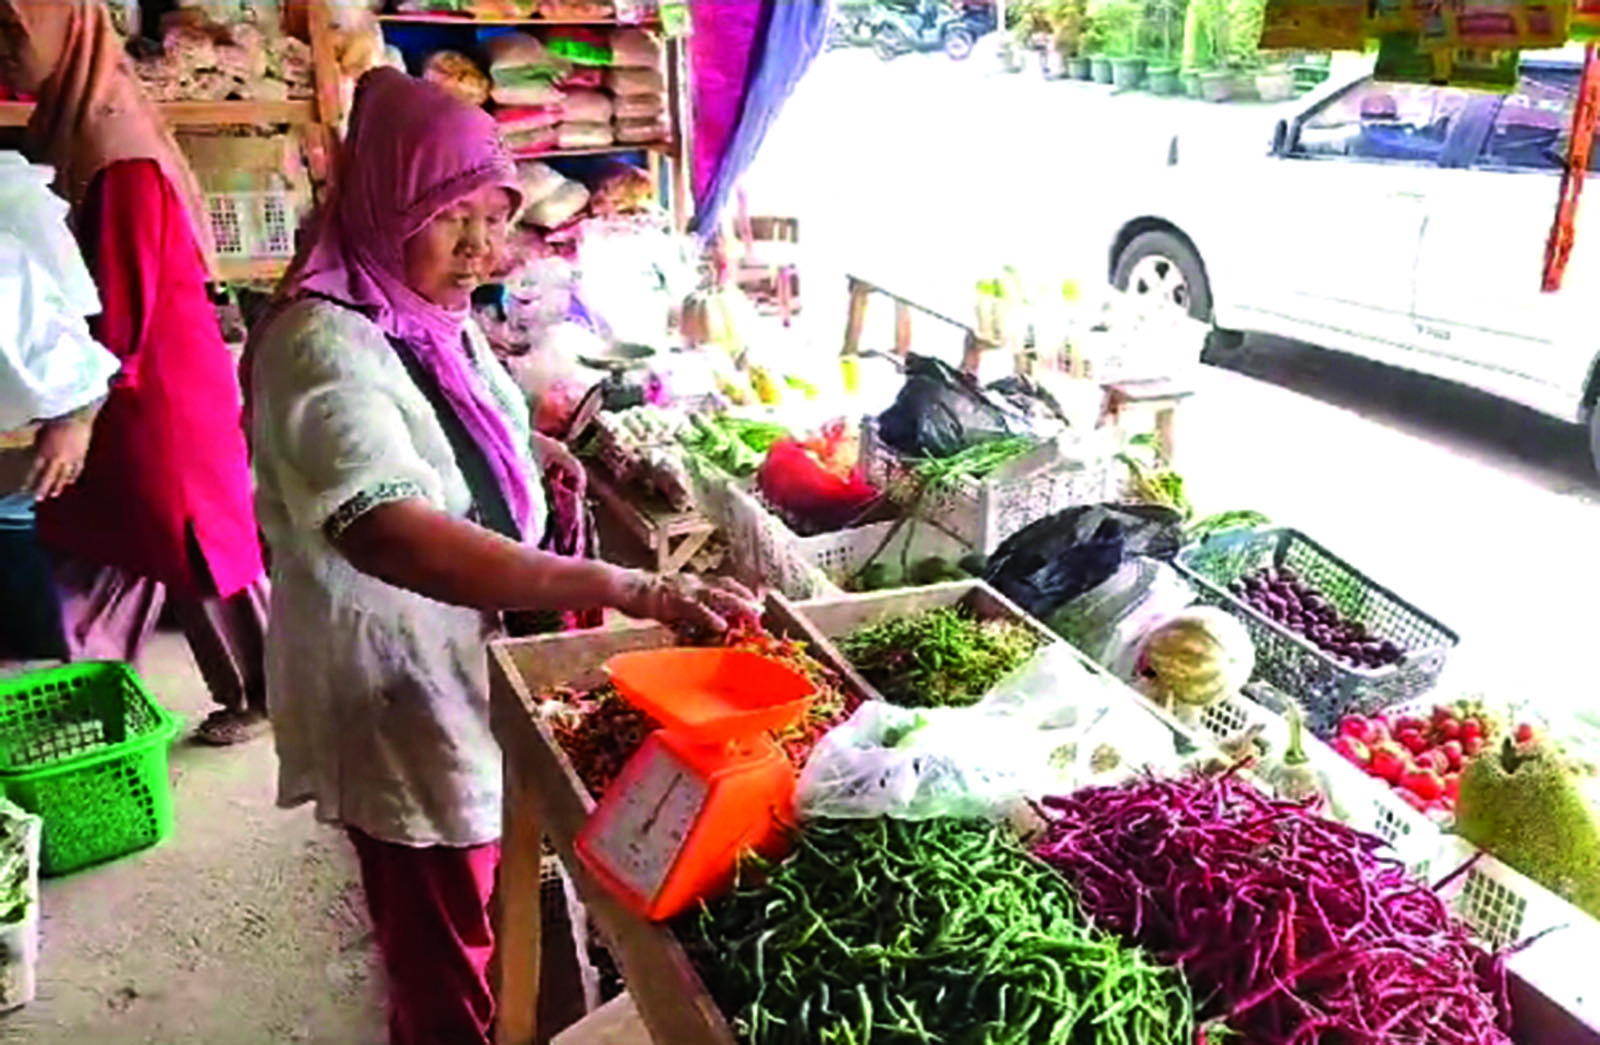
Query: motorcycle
[(850, 27), (931, 26)]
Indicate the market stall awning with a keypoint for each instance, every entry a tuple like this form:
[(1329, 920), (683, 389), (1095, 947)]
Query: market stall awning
[(746, 58)]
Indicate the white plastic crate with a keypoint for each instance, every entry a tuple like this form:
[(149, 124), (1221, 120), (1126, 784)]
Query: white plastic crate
[(767, 552), (1363, 802), (1503, 907), (252, 224), (19, 941), (983, 513)]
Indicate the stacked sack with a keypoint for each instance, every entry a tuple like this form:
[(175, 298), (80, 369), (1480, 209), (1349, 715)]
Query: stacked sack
[(525, 87), (578, 88), (202, 60), (638, 87), (585, 110)]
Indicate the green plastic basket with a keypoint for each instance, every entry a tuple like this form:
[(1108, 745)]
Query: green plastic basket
[(85, 748)]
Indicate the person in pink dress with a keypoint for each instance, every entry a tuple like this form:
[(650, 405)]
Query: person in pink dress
[(161, 510)]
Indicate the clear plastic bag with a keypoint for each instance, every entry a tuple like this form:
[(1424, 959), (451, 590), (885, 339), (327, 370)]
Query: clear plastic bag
[(1107, 621), (1051, 727)]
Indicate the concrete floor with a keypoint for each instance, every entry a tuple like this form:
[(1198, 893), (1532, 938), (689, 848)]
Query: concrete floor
[(247, 927)]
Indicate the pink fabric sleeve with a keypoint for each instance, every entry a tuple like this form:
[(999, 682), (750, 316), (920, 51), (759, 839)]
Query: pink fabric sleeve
[(126, 220)]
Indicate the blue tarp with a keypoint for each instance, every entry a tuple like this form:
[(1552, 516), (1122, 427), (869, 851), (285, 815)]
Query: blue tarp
[(791, 34)]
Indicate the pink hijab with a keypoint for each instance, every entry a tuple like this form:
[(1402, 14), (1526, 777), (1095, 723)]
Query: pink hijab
[(412, 151)]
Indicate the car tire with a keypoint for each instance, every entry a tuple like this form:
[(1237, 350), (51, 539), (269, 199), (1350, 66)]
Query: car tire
[(1164, 263), (959, 42), (1594, 437)]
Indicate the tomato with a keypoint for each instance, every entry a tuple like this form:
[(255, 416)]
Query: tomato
[(1455, 752), (1412, 741), (1450, 729), (1424, 783), (1389, 761), (1353, 749), (1357, 727)]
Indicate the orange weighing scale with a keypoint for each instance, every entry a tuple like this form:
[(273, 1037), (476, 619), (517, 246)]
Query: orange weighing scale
[(706, 787)]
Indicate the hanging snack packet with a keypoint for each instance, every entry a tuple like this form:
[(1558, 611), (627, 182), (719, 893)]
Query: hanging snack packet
[(1332, 25), (1390, 17), (1585, 24), (1502, 25), (1484, 70), (1401, 59)]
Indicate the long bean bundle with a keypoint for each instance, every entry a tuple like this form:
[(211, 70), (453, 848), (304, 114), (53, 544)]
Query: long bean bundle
[(1290, 927), (894, 932)]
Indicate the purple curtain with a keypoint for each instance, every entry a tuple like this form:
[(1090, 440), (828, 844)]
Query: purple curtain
[(747, 57)]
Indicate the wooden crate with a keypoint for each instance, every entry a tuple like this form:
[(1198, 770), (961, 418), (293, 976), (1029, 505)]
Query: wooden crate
[(822, 620), (545, 799)]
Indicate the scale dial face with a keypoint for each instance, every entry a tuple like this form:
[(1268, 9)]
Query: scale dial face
[(639, 832)]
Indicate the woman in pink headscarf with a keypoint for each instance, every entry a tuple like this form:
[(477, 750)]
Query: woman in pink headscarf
[(396, 473)]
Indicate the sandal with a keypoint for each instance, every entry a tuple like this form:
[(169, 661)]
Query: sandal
[(227, 727)]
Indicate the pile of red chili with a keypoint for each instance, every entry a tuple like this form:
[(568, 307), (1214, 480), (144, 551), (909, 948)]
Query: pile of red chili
[(1289, 927), (600, 730)]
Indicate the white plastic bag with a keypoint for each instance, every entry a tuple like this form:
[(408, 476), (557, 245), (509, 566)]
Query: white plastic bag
[(1051, 727), (49, 364)]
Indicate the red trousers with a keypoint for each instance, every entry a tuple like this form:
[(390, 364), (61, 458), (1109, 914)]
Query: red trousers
[(431, 913)]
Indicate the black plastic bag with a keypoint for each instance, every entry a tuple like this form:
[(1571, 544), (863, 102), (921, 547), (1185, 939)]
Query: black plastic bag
[(941, 411), (1055, 559)]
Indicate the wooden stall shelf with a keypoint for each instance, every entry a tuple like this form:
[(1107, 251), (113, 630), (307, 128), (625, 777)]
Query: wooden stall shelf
[(544, 797), (672, 537)]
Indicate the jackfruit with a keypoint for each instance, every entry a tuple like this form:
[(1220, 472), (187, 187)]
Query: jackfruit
[(1525, 805)]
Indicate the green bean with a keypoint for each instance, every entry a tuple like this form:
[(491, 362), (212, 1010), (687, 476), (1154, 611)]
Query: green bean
[(942, 932)]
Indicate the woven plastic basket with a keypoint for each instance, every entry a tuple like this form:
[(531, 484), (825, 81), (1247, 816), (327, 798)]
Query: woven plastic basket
[(85, 748), (768, 553), (1326, 688), (983, 513)]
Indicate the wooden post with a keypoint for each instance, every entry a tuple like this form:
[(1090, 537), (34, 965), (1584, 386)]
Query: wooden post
[(517, 937), (857, 318), (902, 329), (325, 66)]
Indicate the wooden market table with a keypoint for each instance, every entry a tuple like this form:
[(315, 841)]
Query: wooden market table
[(546, 801), (672, 537)]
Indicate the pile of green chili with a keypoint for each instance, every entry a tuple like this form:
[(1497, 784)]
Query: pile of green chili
[(937, 658), (894, 932)]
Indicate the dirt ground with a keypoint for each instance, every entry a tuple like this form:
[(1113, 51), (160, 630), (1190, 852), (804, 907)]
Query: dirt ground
[(247, 927)]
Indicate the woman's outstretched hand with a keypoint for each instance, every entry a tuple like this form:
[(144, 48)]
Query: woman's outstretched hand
[(684, 599)]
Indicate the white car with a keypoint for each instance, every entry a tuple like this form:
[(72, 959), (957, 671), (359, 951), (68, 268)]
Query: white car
[(1405, 224)]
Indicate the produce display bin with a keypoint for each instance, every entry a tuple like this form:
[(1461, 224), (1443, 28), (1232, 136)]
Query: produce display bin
[(1326, 688), (828, 618), (1363, 802), (545, 798), (767, 552), (19, 940), (982, 513), (85, 748), (1504, 908)]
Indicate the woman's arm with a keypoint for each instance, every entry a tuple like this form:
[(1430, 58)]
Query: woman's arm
[(411, 545)]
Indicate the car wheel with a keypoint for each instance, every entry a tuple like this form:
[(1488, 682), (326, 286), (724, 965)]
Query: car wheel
[(1161, 265), (1594, 437), (888, 42), (958, 43)]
